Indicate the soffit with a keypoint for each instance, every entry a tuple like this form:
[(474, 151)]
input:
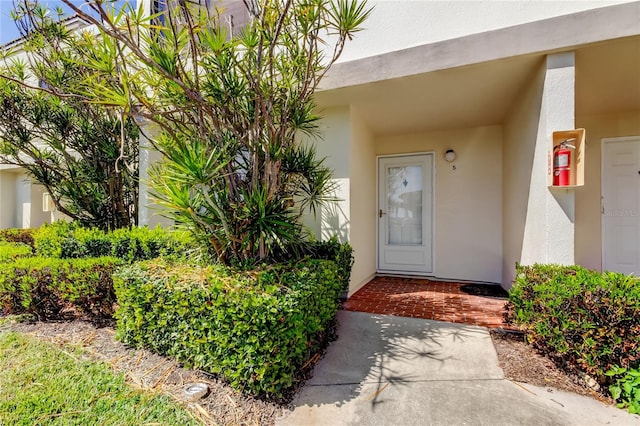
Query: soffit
[(608, 77), (471, 96)]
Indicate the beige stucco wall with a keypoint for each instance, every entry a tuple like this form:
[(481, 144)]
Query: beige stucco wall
[(396, 25), (520, 133), (335, 131), (588, 218), (7, 198), (539, 221), (21, 201), (468, 199), (363, 222), (22, 212), (38, 216)]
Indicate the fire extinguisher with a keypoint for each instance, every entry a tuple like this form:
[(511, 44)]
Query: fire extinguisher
[(562, 163)]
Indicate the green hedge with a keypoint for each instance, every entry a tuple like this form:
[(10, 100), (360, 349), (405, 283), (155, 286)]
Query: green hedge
[(70, 241), (44, 287), (14, 235), (586, 319), (255, 329), (341, 253), (11, 251)]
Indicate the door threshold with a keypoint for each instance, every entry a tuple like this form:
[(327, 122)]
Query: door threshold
[(397, 274), (431, 278)]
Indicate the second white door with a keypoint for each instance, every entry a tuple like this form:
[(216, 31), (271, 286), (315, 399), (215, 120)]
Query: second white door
[(621, 205)]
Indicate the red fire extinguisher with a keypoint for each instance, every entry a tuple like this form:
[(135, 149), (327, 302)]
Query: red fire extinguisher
[(562, 163)]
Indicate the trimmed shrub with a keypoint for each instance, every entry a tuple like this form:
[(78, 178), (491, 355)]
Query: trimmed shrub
[(70, 241), (144, 244), (10, 251), (256, 329), (584, 319), (86, 242), (341, 253), (14, 235), (49, 237), (44, 287)]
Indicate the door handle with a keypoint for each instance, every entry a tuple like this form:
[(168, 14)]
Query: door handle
[(380, 213)]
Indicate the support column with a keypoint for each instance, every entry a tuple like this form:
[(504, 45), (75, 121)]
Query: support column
[(23, 201), (143, 176), (538, 221), (148, 211), (549, 230), (7, 199)]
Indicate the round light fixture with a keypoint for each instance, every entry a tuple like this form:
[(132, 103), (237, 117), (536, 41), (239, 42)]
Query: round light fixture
[(450, 155)]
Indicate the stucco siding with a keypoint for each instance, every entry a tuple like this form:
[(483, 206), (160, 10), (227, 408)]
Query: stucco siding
[(333, 145), (468, 199), (7, 199), (22, 212), (396, 25), (520, 133), (539, 221), (362, 192), (38, 215)]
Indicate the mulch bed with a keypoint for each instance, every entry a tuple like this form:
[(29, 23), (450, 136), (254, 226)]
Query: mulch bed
[(522, 363)]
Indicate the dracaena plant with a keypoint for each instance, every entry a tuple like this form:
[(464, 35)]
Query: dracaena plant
[(85, 154), (227, 91)]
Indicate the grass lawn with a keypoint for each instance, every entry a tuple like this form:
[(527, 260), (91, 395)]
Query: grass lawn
[(43, 384)]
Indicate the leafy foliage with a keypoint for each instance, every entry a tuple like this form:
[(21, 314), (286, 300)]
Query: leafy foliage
[(44, 287), (341, 253), (585, 319), (69, 240), (11, 251), (626, 389), (255, 329), (84, 153), (228, 105), (12, 235)]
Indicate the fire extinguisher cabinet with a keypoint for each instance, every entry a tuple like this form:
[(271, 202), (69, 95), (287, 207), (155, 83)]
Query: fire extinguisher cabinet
[(566, 159)]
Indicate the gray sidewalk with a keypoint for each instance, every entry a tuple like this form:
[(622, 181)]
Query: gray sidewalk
[(386, 370)]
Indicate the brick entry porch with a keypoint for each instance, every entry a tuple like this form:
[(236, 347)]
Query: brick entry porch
[(422, 298)]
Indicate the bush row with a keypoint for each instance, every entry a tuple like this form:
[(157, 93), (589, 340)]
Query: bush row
[(13, 235), (11, 251), (255, 329), (45, 287), (341, 253), (588, 319), (70, 241)]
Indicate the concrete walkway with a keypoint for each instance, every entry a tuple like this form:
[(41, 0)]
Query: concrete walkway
[(386, 370)]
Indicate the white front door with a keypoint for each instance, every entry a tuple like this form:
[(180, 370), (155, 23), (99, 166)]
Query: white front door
[(405, 214), (621, 205)]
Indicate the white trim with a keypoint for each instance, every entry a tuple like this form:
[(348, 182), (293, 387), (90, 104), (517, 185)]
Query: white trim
[(433, 215), (604, 141)]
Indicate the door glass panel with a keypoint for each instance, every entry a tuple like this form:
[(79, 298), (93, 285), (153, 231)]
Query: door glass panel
[(404, 205)]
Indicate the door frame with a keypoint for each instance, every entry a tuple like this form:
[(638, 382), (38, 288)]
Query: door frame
[(603, 143), (433, 214)]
